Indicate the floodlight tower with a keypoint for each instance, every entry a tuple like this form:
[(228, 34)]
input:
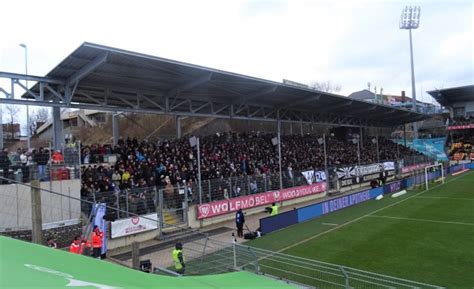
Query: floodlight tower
[(409, 20)]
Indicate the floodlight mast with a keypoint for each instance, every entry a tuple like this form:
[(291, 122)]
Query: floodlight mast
[(410, 19)]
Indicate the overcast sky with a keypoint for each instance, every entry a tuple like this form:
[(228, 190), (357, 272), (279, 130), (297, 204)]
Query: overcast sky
[(349, 43)]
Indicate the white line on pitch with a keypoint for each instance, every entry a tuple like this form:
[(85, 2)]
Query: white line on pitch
[(361, 217), (421, 220), (330, 224), (462, 199)]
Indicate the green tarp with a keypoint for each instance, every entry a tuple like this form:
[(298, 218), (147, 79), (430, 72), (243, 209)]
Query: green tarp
[(26, 265)]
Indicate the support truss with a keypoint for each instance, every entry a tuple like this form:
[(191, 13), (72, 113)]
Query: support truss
[(70, 93)]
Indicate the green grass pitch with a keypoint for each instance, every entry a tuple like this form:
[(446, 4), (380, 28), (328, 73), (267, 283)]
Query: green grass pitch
[(424, 236)]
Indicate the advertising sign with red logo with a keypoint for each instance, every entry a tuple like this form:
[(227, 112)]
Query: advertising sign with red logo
[(222, 207), (134, 225), (456, 127)]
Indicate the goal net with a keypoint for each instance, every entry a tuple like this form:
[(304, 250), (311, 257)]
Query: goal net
[(434, 174)]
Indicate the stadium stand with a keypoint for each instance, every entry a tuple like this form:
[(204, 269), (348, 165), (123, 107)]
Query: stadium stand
[(141, 165)]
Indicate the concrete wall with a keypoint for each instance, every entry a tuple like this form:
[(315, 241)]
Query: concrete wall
[(63, 236), (128, 240), (15, 204)]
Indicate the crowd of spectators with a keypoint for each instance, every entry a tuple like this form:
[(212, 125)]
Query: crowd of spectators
[(167, 163), (23, 164), (461, 147), (23, 160), (466, 120)]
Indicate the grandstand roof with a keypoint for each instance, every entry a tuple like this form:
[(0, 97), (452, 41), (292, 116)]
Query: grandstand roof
[(449, 96), (105, 78)]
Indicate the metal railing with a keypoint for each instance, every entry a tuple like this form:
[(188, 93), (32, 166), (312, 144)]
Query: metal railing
[(325, 275), (207, 256)]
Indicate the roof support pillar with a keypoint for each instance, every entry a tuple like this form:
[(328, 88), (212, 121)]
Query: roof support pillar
[(279, 147), (58, 134), (178, 126), (115, 128), (361, 138)]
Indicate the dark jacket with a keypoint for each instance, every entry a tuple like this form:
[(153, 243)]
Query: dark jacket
[(239, 218), (4, 160)]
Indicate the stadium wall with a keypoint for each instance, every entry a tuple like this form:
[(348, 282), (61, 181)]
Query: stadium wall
[(15, 204), (274, 223)]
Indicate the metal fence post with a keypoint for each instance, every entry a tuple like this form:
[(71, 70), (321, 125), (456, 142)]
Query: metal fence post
[(17, 206), (209, 191), (257, 267), (79, 160), (235, 256), (346, 278), (126, 203), (50, 173), (69, 199), (185, 208), (248, 184), (204, 250), (117, 196), (265, 182), (160, 215)]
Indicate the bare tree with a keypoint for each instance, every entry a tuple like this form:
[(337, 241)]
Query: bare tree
[(326, 86), (12, 113), (39, 115)]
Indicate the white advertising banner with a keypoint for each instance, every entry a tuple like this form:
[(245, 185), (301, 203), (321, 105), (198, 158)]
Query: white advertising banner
[(134, 225), (389, 166), (314, 176)]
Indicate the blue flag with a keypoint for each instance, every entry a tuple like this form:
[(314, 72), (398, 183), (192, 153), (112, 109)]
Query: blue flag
[(99, 213)]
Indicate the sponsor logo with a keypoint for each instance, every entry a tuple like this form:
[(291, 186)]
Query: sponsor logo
[(345, 172), (135, 220), (276, 195), (205, 209)]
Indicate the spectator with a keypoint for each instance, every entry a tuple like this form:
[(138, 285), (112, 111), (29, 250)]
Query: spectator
[(5, 164), (51, 243), (57, 157)]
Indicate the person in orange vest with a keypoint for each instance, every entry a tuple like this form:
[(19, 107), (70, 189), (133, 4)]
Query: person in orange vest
[(76, 247), (86, 247), (97, 236), (57, 157)]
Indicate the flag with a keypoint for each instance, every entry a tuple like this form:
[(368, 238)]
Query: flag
[(309, 176), (99, 221)]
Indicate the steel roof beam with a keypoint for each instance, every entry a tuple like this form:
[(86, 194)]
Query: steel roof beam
[(31, 78), (188, 85), (88, 68), (331, 107), (31, 102), (148, 99), (304, 101), (258, 93)]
